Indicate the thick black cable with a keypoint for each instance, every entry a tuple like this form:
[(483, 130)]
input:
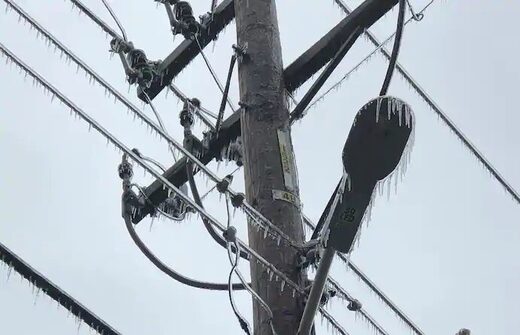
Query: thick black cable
[(114, 16), (321, 222), (54, 92), (298, 111), (169, 271), (209, 227), (226, 93), (395, 50), (241, 319)]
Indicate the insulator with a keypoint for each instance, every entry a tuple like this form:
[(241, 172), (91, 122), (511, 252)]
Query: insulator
[(137, 59), (186, 117), (125, 170), (184, 14), (146, 75), (183, 11)]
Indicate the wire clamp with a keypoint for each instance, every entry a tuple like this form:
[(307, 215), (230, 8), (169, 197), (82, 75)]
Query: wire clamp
[(230, 234), (223, 185), (354, 305)]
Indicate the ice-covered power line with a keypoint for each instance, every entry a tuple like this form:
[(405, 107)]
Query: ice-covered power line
[(53, 291), (214, 75), (84, 9), (359, 273), (256, 216), (437, 109), (362, 62), (161, 123), (50, 89), (381, 295), (200, 111), (346, 296), (110, 89), (271, 230)]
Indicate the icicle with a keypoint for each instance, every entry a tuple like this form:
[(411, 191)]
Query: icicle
[(282, 286), (9, 271)]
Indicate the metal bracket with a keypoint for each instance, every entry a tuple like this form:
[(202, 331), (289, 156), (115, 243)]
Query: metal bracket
[(241, 52)]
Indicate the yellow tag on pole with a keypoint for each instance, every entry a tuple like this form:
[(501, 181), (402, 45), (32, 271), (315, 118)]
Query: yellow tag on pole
[(289, 171)]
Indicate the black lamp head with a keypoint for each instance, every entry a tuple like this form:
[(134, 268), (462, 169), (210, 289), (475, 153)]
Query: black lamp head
[(374, 147), (377, 139)]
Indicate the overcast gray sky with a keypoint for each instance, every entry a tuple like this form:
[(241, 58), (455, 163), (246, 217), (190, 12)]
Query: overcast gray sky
[(443, 247)]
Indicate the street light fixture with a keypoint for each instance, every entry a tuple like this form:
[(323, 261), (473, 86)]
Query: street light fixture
[(375, 145)]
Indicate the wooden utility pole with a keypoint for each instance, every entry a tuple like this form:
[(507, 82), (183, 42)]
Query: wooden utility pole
[(269, 165)]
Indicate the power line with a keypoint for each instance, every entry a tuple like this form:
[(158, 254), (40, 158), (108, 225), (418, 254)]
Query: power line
[(168, 270), (214, 75), (161, 124), (248, 209), (81, 64), (95, 76), (345, 295), (200, 111), (82, 313), (94, 18), (49, 89), (359, 273), (363, 61), (436, 108), (389, 303), (156, 113)]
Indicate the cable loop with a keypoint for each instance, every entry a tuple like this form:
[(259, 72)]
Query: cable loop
[(415, 16)]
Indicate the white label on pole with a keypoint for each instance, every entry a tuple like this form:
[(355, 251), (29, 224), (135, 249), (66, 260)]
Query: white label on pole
[(286, 196), (289, 174)]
